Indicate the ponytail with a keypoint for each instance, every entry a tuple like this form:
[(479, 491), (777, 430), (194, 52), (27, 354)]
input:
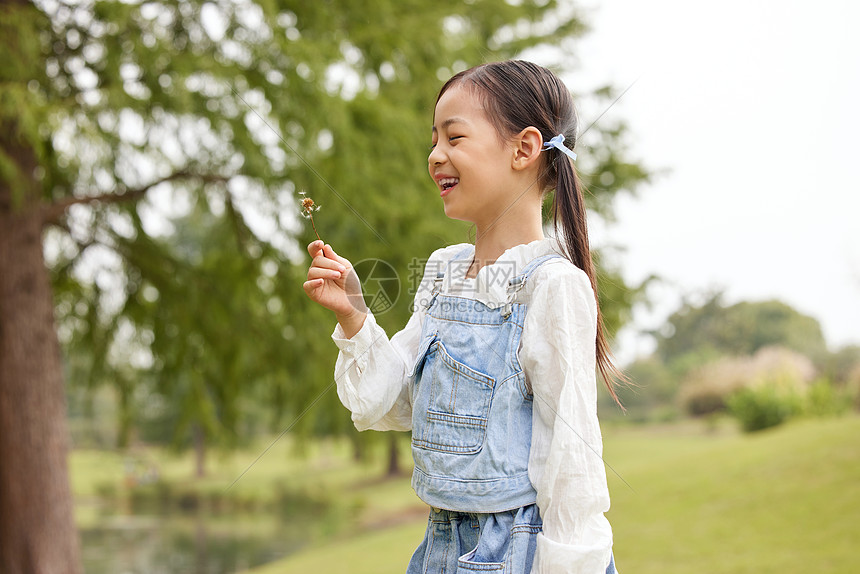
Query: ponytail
[(569, 220)]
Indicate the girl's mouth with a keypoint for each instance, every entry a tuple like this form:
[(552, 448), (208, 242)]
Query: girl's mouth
[(447, 184)]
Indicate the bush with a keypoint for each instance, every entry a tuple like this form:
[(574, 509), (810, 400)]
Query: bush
[(824, 399), (703, 400), (764, 406), (852, 387), (708, 388)]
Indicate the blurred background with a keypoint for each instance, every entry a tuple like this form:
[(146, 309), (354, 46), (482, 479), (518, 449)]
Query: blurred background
[(167, 401)]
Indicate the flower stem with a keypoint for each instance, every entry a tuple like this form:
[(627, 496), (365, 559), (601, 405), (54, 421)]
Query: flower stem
[(314, 226)]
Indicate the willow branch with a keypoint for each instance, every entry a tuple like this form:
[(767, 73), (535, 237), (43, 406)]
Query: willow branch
[(53, 212)]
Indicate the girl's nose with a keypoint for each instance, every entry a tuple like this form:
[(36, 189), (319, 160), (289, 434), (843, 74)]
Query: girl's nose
[(436, 156)]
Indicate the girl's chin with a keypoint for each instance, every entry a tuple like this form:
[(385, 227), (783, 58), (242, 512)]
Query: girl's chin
[(452, 212)]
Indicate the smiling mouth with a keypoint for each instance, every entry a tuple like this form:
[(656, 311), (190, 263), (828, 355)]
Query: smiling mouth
[(447, 184)]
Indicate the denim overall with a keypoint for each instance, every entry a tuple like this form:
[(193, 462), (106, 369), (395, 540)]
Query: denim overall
[(471, 436)]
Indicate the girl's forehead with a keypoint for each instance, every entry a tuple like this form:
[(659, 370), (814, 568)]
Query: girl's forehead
[(458, 103)]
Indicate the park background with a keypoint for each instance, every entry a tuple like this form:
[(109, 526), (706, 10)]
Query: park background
[(152, 159)]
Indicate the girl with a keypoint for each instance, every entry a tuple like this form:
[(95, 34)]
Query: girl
[(494, 373)]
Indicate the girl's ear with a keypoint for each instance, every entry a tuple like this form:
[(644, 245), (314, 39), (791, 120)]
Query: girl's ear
[(527, 148)]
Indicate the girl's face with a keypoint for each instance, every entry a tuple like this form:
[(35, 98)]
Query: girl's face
[(468, 161)]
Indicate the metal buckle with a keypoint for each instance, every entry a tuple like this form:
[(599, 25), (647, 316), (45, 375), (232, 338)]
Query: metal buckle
[(437, 287), (514, 286)]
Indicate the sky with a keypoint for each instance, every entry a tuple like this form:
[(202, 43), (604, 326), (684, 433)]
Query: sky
[(749, 112)]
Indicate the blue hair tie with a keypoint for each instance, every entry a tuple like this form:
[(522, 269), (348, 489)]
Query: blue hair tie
[(558, 143)]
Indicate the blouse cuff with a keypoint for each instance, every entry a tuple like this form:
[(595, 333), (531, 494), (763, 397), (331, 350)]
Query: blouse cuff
[(360, 342), (555, 558)]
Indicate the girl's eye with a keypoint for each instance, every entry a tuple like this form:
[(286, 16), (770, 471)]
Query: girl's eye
[(450, 139)]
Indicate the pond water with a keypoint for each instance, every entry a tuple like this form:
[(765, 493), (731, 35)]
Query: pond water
[(188, 544)]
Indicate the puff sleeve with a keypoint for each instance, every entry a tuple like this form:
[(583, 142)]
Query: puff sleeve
[(565, 461)]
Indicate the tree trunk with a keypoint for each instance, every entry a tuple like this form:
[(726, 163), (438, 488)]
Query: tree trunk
[(199, 439), (393, 456), (37, 528), (358, 448)]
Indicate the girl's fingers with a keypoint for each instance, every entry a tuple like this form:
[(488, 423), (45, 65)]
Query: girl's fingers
[(327, 263), (323, 273), (329, 252), (313, 288), (324, 256), (315, 247)]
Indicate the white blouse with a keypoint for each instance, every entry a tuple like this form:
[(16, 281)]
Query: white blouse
[(557, 354)]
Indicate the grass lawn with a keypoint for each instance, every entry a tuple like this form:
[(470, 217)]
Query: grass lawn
[(375, 552), (785, 500), (781, 501)]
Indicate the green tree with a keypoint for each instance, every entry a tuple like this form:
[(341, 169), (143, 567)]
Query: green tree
[(157, 149), (696, 333), (650, 395)]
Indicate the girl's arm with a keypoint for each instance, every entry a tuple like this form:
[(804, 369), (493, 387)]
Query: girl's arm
[(370, 369), (565, 464)]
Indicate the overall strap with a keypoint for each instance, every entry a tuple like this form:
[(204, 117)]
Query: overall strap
[(440, 275), (518, 282)]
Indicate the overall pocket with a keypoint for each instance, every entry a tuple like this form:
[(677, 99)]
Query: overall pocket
[(456, 402), (464, 565)]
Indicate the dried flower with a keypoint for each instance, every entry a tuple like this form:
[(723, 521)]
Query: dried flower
[(308, 207)]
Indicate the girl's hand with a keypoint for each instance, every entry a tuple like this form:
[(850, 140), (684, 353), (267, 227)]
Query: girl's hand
[(333, 283)]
